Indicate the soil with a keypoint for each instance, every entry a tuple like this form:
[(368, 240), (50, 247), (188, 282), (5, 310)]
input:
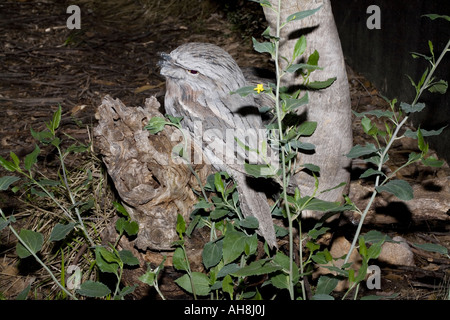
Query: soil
[(44, 65)]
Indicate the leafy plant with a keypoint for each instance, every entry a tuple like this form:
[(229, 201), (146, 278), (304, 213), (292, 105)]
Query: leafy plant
[(230, 255), (30, 242)]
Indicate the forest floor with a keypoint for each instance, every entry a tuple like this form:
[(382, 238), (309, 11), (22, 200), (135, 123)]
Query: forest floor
[(44, 64)]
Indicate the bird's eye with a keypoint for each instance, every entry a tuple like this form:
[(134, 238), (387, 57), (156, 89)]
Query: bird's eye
[(193, 71)]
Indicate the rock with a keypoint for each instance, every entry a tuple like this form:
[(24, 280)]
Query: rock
[(397, 253), (340, 247), (431, 202)]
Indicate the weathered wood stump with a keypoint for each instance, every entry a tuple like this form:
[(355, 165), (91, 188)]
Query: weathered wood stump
[(153, 187)]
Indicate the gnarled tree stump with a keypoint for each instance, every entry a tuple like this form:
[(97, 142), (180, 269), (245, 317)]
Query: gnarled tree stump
[(154, 188)]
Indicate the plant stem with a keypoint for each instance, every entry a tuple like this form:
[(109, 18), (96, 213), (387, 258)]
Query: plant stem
[(302, 282), (383, 155), (38, 260), (282, 149), (77, 211)]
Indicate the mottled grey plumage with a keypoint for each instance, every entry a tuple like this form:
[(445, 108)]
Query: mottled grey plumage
[(199, 79)]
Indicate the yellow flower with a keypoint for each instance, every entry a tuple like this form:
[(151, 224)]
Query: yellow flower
[(259, 88)]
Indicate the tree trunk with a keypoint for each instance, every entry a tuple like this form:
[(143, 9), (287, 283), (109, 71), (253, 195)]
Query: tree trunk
[(331, 107)]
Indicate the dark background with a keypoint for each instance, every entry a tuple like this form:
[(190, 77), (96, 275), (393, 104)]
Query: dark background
[(383, 56)]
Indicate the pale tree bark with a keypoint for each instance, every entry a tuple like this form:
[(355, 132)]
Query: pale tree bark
[(331, 107)]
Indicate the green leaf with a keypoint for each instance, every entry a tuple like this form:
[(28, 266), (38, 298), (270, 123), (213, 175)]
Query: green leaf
[(400, 188), (322, 297), (295, 144), (8, 165), (326, 284), (374, 236), (280, 280), (370, 172), (33, 240), (312, 246), (440, 86), (263, 47), (295, 67), (200, 280), (60, 231), (436, 16), (233, 245), (307, 128), (362, 247), (128, 258), (317, 85), (302, 14), (259, 170), (300, 47), (228, 269), (311, 167), (78, 148), (56, 119), (313, 59), (219, 213), (292, 104), (125, 291), (181, 225), (24, 293), (433, 162), (264, 3), (179, 260), (93, 289), (423, 146), (251, 245), (359, 151), (314, 233), (131, 228), (249, 223), (258, 267), (412, 108), (4, 222), (155, 125), (432, 247), (106, 260), (120, 224), (425, 133), (6, 181), (321, 205), (174, 120), (321, 257), (377, 113), (121, 209), (373, 297), (148, 278), (228, 286), (375, 249), (362, 272), (244, 91), (203, 204), (45, 137), (14, 158), (212, 253), (218, 183)]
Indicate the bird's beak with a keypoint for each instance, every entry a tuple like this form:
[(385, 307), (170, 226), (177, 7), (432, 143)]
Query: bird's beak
[(165, 58)]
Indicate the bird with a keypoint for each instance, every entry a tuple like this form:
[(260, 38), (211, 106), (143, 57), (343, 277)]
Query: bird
[(200, 78)]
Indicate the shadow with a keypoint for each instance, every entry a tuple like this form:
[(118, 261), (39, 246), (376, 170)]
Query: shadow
[(301, 32), (399, 211), (431, 186), (267, 186), (247, 110)]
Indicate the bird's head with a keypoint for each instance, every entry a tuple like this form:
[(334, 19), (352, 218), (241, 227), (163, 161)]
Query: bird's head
[(203, 67)]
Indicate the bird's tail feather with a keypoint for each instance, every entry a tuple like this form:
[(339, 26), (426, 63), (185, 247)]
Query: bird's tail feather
[(254, 203)]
